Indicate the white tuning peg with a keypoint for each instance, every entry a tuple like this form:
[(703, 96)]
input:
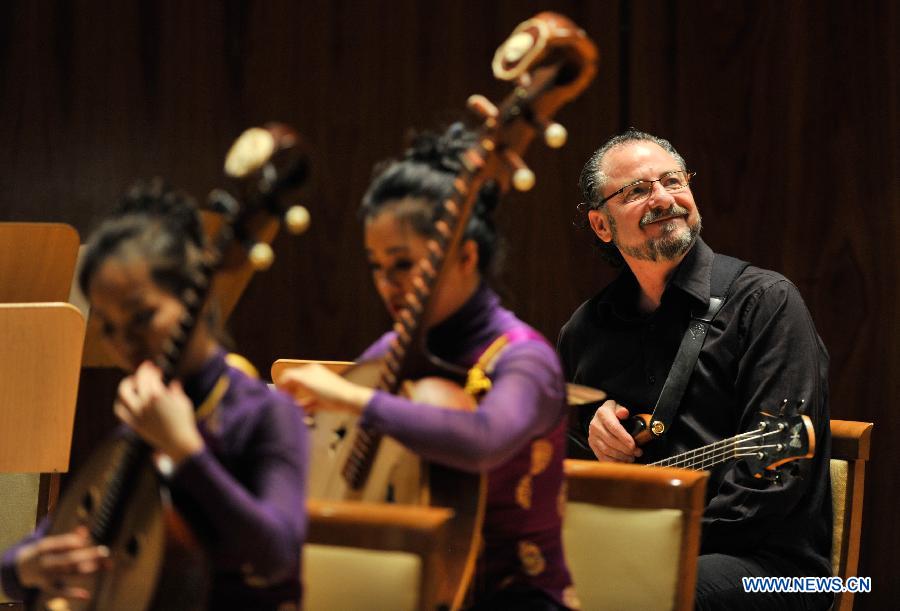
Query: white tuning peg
[(523, 179), (297, 219), (555, 135), (261, 256)]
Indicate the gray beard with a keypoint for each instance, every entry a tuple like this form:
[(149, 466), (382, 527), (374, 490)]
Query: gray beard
[(668, 247)]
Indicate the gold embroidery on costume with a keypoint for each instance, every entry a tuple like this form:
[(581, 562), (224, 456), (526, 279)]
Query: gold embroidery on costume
[(207, 411), (477, 381), (570, 598), (532, 559), (541, 454), (240, 363), (523, 492)]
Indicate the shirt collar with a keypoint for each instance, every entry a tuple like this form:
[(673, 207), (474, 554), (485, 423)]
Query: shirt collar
[(691, 277)]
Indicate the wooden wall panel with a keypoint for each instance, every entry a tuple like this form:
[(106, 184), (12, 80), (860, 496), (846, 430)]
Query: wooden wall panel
[(787, 111)]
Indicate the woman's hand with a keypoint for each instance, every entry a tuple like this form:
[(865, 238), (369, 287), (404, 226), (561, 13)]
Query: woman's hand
[(608, 438), (315, 387), (162, 416), (57, 564)]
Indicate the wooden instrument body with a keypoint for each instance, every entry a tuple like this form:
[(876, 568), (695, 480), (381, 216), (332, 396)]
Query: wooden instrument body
[(156, 562), (149, 539), (398, 475), (550, 61)]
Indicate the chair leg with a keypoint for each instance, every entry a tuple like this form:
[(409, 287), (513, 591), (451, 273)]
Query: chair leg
[(48, 495)]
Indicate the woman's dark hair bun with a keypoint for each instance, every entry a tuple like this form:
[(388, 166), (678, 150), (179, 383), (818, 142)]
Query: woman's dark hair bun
[(441, 151), (155, 198)]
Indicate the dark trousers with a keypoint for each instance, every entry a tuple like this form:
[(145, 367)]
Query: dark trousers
[(719, 586)]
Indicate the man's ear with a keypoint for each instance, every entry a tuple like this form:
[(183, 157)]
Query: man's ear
[(600, 224)]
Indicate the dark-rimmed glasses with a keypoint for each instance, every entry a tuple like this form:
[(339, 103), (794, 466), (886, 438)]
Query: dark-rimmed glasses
[(640, 190)]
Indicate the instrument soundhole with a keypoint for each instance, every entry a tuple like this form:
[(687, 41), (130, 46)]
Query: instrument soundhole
[(338, 436), (133, 547), (86, 507)]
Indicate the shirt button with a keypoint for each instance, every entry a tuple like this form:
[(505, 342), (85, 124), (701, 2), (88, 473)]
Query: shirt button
[(651, 379)]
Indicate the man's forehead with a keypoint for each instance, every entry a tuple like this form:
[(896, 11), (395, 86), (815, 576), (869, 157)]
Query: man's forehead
[(629, 158)]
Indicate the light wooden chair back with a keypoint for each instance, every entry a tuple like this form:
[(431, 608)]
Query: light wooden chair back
[(850, 443), (40, 361), (281, 365), (370, 557), (37, 261), (631, 534)]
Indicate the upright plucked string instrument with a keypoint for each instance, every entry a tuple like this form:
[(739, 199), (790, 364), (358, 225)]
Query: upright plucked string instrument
[(119, 495), (550, 61)]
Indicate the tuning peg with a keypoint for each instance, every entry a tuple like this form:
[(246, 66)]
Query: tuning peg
[(800, 408), (555, 135), (297, 219), (260, 256), (484, 108), (523, 178)]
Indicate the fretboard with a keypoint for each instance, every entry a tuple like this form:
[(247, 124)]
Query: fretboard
[(708, 456)]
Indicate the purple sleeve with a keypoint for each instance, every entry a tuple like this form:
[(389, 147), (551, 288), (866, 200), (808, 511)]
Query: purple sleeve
[(379, 348), (525, 401), (266, 526), (8, 574)]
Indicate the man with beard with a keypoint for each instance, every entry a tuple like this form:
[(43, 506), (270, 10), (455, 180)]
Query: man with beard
[(761, 348)]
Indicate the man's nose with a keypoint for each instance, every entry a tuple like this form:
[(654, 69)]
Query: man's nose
[(659, 197)]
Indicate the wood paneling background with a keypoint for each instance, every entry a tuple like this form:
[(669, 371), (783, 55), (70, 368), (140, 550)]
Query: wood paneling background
[(788, 111)]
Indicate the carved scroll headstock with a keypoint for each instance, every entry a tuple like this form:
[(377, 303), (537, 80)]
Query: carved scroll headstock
[(551, 61), (267, 166)]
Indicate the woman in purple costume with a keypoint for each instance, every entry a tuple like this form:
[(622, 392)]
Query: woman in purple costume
[(516, 436), (236, 452)]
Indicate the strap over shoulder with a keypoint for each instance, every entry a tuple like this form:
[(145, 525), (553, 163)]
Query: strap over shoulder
[(724, 272)]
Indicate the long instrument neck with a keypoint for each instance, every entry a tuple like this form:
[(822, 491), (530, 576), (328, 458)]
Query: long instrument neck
[(135, 452), (708, 456), (406, 353)]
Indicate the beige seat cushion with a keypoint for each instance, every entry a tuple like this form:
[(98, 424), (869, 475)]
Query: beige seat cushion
[(839, 471), (623, 559), (353, 579), (18, 508)]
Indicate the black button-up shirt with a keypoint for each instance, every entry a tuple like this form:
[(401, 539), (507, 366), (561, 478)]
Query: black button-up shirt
[(762, 348)]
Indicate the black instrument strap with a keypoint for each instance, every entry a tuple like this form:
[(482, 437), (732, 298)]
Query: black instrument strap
[(724, 271)]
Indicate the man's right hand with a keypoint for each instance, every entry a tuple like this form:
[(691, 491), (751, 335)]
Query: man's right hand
[(608, 438)]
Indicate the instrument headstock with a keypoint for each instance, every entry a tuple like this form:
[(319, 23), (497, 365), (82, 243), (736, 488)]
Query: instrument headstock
[(266, 166), (781, 438), (550, 61)]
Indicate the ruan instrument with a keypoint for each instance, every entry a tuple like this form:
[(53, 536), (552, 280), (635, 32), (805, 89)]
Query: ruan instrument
[(550, 61), (119, 494)]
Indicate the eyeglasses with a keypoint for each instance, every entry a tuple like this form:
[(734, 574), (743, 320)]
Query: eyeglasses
[(640, 190)]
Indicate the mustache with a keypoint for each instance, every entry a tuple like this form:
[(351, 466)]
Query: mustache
[(674, 211)]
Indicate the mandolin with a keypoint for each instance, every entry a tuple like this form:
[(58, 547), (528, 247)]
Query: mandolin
[(119, 495), (550, 61)]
